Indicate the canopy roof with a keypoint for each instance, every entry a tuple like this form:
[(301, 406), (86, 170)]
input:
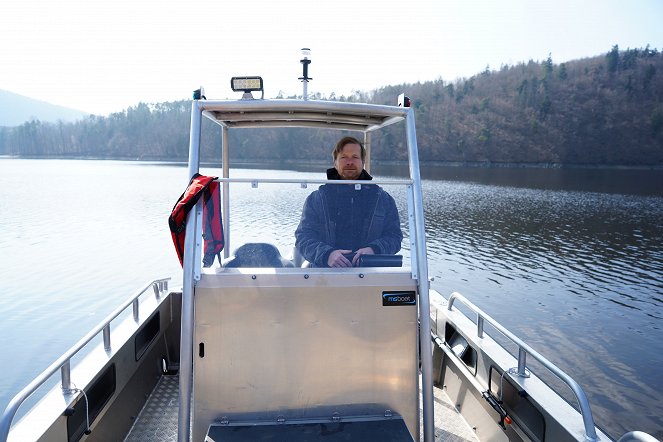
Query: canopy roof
[(296, 113)]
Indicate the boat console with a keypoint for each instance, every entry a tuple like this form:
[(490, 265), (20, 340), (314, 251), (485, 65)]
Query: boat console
[(290, 345)]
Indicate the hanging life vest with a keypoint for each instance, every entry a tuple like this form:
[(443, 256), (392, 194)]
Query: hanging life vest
[(208, 188)]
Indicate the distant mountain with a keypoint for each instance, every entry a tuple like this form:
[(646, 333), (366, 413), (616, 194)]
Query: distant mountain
[(16, 109)]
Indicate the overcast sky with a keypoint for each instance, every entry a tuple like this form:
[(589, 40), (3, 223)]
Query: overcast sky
[(102, 56)]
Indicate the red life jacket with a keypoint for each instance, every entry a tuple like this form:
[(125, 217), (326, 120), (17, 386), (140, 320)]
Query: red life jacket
[(212, 224)]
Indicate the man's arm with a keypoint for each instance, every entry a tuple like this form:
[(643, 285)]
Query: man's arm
[(310, 233), (389, 242)]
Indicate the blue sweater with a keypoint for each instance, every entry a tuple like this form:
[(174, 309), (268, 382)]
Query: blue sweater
[(342, 217)]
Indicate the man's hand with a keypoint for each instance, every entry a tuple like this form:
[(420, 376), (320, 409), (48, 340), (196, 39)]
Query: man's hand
[(359, 252), (336, 259)]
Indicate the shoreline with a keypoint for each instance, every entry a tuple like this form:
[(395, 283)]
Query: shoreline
[(316, 163)]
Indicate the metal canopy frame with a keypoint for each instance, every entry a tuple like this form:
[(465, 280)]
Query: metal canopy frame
[(250, 113), (295, 113)]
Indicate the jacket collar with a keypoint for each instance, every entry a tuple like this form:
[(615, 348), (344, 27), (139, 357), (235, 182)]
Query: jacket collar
[(332, 174)]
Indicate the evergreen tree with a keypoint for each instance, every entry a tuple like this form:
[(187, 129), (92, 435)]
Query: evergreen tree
[(563, 74), (548, 66), (613, 59)]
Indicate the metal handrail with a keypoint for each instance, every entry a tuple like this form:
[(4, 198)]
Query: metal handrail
[(523, 350), (63, 362), (315, 181), (637, 436)]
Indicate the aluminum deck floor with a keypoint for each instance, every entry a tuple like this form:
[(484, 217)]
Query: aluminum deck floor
[(157, 421)]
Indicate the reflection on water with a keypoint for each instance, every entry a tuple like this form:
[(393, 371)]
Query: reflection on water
[(577, 274), (626, 181)]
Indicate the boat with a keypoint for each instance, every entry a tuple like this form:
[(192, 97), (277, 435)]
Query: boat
[(284, 351)]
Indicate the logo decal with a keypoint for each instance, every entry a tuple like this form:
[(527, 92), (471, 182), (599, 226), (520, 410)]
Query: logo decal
[(399, 298)]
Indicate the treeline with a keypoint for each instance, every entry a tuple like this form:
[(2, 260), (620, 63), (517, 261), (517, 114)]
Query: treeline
[(605, 110)]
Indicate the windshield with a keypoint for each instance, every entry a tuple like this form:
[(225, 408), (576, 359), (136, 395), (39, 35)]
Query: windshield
[(265, 208)]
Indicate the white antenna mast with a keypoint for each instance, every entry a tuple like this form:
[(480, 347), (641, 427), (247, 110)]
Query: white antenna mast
[(305, 61)]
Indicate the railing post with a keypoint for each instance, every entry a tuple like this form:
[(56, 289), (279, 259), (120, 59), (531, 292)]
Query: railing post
[(479, 325), (136, 309), (522, 363), (107, 338), (65, 374)]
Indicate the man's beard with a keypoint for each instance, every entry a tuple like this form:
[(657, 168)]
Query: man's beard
[(350, 173)]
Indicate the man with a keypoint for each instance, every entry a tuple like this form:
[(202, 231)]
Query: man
[(342, 219)]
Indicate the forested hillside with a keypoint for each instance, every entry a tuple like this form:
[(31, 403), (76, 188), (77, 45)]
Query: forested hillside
[(605, 110)]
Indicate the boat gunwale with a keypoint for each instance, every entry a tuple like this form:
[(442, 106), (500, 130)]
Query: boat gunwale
[(520, 373), (160, 286)]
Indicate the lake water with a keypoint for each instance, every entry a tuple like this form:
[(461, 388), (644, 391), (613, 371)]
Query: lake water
[(569, 260)]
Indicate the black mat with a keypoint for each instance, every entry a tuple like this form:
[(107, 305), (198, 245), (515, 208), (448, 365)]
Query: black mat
[(387, 430)]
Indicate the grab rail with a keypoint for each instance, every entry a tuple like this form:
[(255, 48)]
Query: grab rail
[(304, 182), (637, 436), (63, 362), (523, 350)]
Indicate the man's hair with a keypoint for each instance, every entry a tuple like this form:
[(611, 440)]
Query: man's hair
[(345, 141)]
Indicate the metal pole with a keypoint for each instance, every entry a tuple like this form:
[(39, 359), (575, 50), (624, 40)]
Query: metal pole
[(225, 154), (522, 362), (107, 338), (136, 310), (194, 137), (305, 78), (186, 334), (65, 374), (424, 302), (367, 146)]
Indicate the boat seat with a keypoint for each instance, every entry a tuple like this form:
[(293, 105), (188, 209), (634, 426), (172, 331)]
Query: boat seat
[(257, 255)]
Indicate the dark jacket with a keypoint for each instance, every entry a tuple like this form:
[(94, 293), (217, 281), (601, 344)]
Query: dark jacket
[(342, 217)]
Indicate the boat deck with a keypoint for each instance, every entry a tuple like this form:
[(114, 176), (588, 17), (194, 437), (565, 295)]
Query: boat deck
[(157, 421)]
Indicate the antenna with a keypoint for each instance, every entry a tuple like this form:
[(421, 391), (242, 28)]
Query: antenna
[(305, 61)]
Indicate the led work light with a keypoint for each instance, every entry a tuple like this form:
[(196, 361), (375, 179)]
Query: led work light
[(246, 85)]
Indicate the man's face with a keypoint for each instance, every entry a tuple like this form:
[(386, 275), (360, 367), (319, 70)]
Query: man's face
[(348, 162)]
